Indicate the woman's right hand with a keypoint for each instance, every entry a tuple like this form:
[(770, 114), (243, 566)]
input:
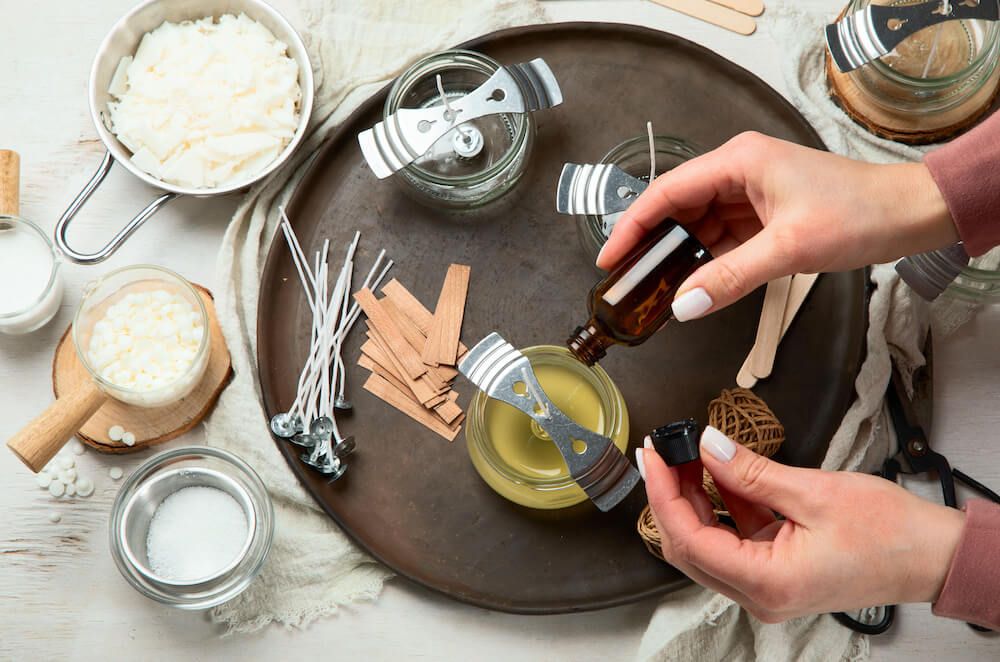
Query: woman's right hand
[(767, 208)]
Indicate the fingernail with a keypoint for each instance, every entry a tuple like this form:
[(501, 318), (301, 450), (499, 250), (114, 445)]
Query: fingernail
[(647, 442), (691, 305), (600, 253), (717, 444), (639, 463)]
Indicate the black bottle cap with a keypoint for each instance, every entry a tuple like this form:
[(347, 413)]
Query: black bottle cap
[(677, 443)]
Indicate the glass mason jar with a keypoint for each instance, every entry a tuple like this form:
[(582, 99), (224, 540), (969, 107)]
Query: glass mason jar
[(977, 283), (516, 457), (477, 161), (933, 70), (632, 156)]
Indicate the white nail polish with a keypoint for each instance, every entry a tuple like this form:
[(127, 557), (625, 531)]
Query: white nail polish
[(691, 305), (718, 445), (647, 442), (639, 463)]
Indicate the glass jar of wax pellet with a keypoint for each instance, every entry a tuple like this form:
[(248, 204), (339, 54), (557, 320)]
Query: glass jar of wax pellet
[(632, 156), (477, 161), (191, 527), (934, 70), (143, 334), (516, 457), (30, 285)]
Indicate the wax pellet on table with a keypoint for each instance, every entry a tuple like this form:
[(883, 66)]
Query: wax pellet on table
[(115, 473), (70, 489), (116, 432), (77, 448), (54, 517), (128, 439), (56, 488), (194, 533), (84, 487), (66, 462), (43, 479), (67, 475)]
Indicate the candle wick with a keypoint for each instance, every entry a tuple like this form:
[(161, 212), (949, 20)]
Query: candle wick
[(539, 401), (452, 115), (652, 152), (934, 47)]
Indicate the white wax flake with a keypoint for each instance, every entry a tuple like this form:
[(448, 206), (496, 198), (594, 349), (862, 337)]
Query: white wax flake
[(77, 448), (195, 532), (206, 103), (84, 487), (56, 488), (54, 517), (115, 432), (128, 439), (115, 473), (43, 479)]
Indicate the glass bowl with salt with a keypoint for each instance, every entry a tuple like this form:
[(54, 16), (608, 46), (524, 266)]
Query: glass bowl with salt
[(191, 527)]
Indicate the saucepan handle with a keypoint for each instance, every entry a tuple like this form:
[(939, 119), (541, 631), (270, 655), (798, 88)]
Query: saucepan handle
[(62, 227)]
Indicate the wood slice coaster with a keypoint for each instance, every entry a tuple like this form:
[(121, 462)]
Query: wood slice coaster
[(908, 129), (153, 425)]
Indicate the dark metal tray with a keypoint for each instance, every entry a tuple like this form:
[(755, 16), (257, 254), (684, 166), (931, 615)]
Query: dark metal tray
[(413, 500)]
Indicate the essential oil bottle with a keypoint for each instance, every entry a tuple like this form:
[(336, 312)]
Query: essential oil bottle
[(634, 300)]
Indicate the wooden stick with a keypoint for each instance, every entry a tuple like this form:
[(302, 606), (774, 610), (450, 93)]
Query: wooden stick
[(797, 294), (410, 306), (416, 338), (748, 7), (448, 411), (390, 335), (421, 388), (10, 183), (443, 337), (389, 394), (713, 13), (769, 328)]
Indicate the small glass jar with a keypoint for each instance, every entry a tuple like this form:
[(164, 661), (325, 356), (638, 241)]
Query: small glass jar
[(516, 457), (105, 292), (976, 283), (632, 156), (163, 475), (477, 161), (29, 267), (932, 71)]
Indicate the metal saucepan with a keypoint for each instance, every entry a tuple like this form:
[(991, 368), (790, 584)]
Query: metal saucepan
[(123, 40)]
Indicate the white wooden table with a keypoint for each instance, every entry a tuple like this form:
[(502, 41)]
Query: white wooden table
[(60, 594)]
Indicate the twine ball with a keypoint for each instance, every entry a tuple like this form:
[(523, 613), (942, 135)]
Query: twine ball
[(746, 419)]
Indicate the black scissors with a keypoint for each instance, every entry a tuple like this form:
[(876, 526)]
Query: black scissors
[(915, 457)]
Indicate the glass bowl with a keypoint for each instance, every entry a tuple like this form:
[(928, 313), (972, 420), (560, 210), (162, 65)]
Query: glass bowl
[(163, 475), (111, 288), (632, 156), (514, 455), (37, 308), (477, 161)]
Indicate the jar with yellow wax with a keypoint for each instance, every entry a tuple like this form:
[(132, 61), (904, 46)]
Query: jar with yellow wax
[(516, 457)]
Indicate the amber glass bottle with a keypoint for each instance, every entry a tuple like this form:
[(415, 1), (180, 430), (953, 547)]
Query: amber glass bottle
[(633, 301)]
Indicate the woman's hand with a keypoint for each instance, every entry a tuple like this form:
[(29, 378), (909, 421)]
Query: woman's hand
[(767, 208), (849, 540)]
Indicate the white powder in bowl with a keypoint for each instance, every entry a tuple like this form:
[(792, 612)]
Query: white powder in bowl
[(195, 532), (206, 103)]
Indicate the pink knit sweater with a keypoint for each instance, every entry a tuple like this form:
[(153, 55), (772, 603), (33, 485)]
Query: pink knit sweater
[(967, 171)]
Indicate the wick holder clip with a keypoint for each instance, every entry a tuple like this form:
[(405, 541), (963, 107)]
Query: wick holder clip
[(404, 136), (597, 189), (874, 31), (496, 367)]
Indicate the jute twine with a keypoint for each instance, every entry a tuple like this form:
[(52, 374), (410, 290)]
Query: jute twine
[(747, 420)]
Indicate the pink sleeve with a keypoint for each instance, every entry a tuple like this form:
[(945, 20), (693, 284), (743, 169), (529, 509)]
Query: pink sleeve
[(971, 591), (967, 171)]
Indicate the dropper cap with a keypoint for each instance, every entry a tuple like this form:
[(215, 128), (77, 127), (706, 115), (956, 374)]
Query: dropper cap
[(677, 443)]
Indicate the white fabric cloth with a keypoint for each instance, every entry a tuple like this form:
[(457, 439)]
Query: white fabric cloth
[(356, 47), (699, 624)]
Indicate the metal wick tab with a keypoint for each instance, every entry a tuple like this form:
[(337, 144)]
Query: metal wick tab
[(596, 464), (599, 189), (407, 134), (876, 30)]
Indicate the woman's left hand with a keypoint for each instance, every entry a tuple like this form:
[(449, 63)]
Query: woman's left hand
[(849, 540)]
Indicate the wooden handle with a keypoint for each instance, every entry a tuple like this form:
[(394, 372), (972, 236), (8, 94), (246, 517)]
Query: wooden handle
[(10, 183), (797, 293), (40, 440), (713, 13), (748, 7)]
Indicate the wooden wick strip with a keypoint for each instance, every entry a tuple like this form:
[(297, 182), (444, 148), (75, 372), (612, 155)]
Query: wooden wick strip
[(370, 364), (713, 13), (417, 339), (769, 329), (390, 335), (410, 306), (423, 390), (443, 338), (448, 411), (389, 394)]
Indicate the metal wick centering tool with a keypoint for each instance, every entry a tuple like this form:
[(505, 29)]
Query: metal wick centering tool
[(597, 189), (407, 134), (876, 30), (594, 462)]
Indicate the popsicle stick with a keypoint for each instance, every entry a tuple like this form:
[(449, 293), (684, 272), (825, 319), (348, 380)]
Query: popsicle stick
[(713, 13), (391, 395), (748, 7), (390, 335), (797, 293), (769, 328), (443, 338)]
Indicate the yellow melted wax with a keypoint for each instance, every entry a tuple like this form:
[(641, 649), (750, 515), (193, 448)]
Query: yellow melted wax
[(522, 444)]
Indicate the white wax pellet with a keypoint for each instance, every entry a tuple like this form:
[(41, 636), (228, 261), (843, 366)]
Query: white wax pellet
[(128, 439), (56, 488), (70, 489), (67, 476), (115, 473), (54, 517), (43, 479), (115, 432), (66, 462), (84, 487), (77, 448)]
